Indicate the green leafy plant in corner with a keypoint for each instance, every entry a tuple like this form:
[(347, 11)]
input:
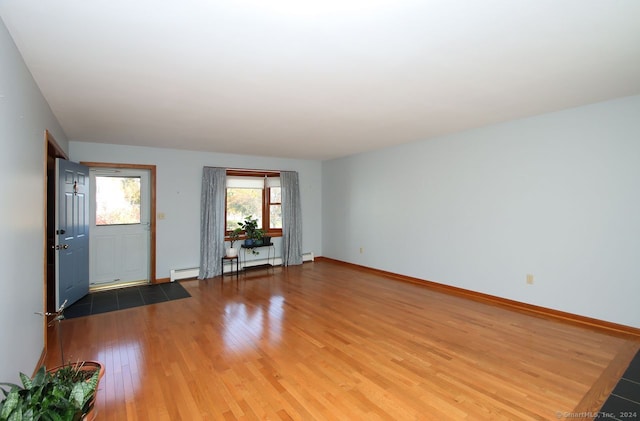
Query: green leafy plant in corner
[(66, 394)]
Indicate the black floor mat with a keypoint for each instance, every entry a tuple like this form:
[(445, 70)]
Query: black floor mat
[(624, 401), (120, 299)]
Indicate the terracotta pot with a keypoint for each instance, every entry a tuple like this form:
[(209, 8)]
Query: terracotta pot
[(84, 366), (89, 367)]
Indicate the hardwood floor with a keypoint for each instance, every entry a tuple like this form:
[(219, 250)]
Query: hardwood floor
[(325, 341)]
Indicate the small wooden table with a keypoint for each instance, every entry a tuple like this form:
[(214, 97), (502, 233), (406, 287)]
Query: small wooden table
[(231, 259)]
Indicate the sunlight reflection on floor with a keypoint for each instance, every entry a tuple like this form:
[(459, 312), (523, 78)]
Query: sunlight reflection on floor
[(247, 325)]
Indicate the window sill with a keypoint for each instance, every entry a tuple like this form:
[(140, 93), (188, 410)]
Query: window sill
[(272, 234)]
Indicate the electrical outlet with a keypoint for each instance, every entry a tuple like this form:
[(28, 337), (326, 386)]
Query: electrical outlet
[(529, 279)]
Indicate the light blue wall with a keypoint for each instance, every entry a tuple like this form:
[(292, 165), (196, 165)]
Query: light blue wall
[(24, 116), (556, 196), (178, 184)]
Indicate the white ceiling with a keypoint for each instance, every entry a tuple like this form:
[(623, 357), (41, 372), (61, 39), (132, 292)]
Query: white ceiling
[(317, 79)]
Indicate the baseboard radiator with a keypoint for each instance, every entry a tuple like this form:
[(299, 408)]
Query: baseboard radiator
[(306, 257), (184, 273), (177, 274)]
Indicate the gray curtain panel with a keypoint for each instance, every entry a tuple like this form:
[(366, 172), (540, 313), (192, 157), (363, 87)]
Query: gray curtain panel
[(212, 227), (291, 219)]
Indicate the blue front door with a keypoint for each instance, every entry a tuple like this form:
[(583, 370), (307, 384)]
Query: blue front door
[(72, 232)]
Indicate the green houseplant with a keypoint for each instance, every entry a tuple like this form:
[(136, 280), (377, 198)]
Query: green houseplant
[(253, 233), (65, 393), (233, 237)]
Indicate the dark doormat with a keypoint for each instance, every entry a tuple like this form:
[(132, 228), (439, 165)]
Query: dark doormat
[(120, 299), (624, 401)]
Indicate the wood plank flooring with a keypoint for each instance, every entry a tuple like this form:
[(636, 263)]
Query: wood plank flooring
[(328, 342)]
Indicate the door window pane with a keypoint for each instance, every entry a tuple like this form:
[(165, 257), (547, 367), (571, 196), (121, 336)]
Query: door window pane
[(117, 200)]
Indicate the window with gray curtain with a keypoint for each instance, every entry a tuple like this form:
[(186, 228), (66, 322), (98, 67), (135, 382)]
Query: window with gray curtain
[(212, 227), (291, 219)]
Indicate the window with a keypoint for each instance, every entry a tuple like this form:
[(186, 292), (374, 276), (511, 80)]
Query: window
[(117, 200), (256, 194), (275, 208)]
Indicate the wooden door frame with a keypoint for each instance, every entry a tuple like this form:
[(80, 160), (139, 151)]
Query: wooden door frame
[(152, 206), (52, 150)]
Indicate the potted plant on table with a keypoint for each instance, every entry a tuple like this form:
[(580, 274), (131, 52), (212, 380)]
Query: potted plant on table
[(253, 233), (233, 237), (250, 227), (257, 237)]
